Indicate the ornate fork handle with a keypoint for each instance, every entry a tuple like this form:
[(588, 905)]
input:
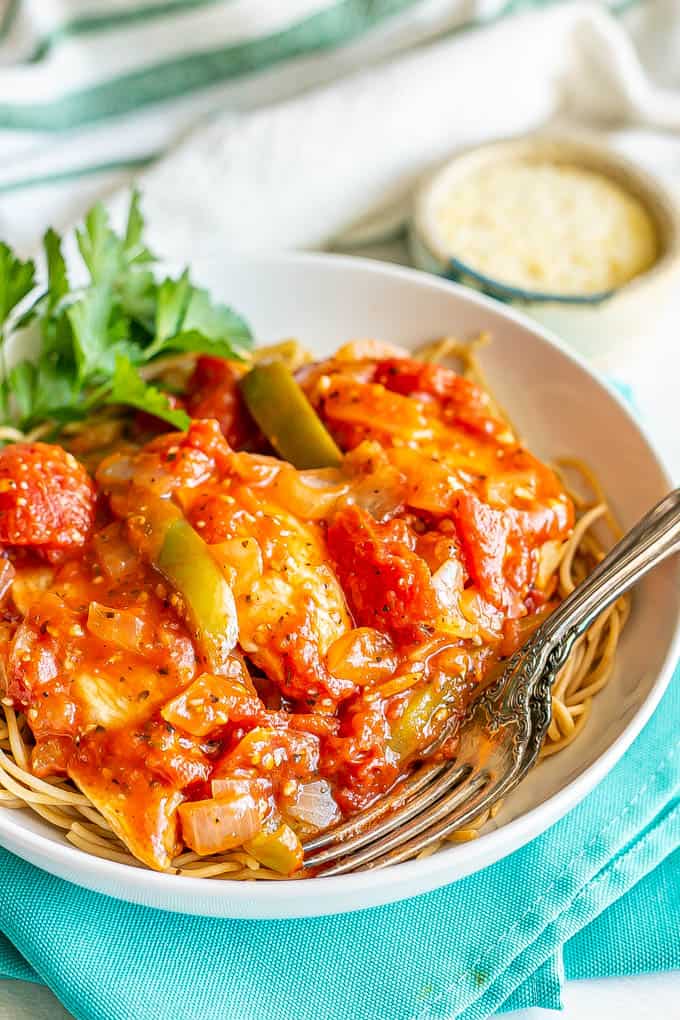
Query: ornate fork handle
[(516, 709), (518, 702), (655, 537), (652, 540), (521, 695)]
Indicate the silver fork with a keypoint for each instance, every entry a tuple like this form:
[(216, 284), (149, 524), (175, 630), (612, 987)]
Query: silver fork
[(504, 729)]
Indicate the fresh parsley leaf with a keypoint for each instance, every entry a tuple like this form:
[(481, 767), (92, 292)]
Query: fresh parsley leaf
[(121, 262), (57, 396), (21, 380), (108, 256), (57, 277), (137, 294), (193, 342), (100, 333), (129, 388), (133, 242), (217, 321), (185, 314), (17, 279), (57, 282), (172, 303), (99, 246), (42, 391), (92, 338), (89, 318)]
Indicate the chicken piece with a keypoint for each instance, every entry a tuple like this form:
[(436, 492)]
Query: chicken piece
[(452, 459), (452, 397), (140, 808), (292, 608), (289, 605)]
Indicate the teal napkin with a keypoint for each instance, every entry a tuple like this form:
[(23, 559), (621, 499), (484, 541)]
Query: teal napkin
[(595, 884)]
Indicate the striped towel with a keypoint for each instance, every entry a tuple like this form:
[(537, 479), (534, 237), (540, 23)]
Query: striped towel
[(91, 90)]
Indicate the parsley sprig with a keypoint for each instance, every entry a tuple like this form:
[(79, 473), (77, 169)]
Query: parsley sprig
[(93, 339)]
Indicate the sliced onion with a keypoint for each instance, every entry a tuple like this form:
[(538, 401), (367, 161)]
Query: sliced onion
[(97, 437), (119, 627), (362, 655), (431, 485), (213, 826), (231, 787), (549, 558), (311, 495), (29, 585), (447, 582), (116, 470), (482, 614), (7, 575), (211, 701), (314, 804), (381, 494), (115, 554), (502, 490)]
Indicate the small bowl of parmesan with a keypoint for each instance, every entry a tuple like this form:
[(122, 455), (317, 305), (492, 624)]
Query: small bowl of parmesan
[(578, 236)]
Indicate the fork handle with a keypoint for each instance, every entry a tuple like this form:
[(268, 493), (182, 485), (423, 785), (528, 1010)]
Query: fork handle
[(650, 541)]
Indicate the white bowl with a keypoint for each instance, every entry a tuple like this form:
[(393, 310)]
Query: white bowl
[(561, 408)]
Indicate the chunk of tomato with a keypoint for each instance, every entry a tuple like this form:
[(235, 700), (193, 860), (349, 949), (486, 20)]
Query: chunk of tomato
[(483, 534), (387, 585), (500, 547), (47, 499), (214, 393)]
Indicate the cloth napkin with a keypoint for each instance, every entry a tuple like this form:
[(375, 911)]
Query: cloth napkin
[(597, 894)]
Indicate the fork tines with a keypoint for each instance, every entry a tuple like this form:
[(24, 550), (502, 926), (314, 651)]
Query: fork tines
[(434, 801)]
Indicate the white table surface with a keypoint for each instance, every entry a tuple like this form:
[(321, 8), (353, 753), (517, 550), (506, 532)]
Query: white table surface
[(654, 372)]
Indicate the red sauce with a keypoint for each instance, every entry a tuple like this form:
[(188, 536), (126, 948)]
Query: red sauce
[(366, 617)]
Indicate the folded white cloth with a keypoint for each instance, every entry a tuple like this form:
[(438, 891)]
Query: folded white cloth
[(299, 173), (91, 91), (87, 95)]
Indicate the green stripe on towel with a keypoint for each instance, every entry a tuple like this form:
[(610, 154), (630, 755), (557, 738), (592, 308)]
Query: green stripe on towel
[(90, 24), (74, 173), (181, 76), (8, 18)]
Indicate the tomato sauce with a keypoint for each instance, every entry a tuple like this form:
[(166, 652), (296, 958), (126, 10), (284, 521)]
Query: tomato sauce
[(367, 603)]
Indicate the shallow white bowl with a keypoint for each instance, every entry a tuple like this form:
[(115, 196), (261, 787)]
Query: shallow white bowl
[(560, 408)]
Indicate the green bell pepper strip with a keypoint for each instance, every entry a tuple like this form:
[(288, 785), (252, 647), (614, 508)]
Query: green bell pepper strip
[(408, 732), (161, 533), (286, 417), (279, 850), (414, 729)]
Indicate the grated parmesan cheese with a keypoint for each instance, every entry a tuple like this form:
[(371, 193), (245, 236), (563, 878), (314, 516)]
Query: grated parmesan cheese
[(546, 227)]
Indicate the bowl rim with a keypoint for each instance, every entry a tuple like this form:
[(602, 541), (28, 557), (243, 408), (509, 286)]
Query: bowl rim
[(136, 884), (569, 147)]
